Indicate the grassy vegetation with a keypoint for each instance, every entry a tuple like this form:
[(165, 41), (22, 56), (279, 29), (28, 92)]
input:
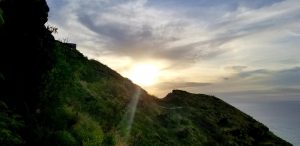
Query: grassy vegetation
[(85, 102)]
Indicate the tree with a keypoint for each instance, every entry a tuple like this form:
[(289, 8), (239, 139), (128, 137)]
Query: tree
[(52, 29)]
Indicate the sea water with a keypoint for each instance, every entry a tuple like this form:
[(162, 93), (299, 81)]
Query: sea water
[(282, 117)]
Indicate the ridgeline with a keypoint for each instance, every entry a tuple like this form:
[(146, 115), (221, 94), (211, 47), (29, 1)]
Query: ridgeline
[(51, 94)]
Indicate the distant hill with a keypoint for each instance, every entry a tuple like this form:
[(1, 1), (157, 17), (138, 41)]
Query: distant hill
[(51, 94)]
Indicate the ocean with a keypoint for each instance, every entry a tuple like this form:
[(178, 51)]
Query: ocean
[(282, 117)]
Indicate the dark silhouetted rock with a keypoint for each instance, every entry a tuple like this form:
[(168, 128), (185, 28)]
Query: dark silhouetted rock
[(25, 54)]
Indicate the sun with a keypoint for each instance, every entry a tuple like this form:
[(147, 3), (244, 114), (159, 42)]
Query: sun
[(144, 74)]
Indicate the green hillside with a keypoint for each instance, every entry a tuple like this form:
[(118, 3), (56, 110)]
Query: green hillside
[(51, 94)]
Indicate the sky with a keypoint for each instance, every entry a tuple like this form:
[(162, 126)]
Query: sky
[(232, 48)]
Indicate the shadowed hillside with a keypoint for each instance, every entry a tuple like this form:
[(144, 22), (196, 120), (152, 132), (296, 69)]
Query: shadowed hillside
[(51, 94)]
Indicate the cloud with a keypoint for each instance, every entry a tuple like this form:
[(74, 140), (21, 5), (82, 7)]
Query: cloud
[(204, 35), (254, 73), (178, 85), (137, 32), (213, 3), (279, 78), (285, 78), (255, 84), (141, 28), (236, 68), (262, 79)]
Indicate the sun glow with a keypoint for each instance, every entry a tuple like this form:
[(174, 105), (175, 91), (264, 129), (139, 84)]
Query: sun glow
[(144, 74)]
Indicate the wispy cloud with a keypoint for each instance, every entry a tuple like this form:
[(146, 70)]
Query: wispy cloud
[(262, 79), (204, 36), (180, 85), (236, 68), (137, 29)]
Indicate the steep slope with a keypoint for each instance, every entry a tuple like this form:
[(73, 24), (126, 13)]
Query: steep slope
[(206, 120), (97, 106), (53, 95), (111, 110)]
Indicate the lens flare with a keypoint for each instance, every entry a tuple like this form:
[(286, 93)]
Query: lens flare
[(125, 125)]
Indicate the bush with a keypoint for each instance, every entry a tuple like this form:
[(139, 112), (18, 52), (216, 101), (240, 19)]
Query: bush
[(88, 131), (64, 138), (9, 125)]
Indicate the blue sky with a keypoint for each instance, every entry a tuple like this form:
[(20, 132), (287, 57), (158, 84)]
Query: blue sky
[(217, 47)]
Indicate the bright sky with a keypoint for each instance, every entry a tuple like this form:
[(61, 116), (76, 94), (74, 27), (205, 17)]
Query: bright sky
[(224, 48)]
